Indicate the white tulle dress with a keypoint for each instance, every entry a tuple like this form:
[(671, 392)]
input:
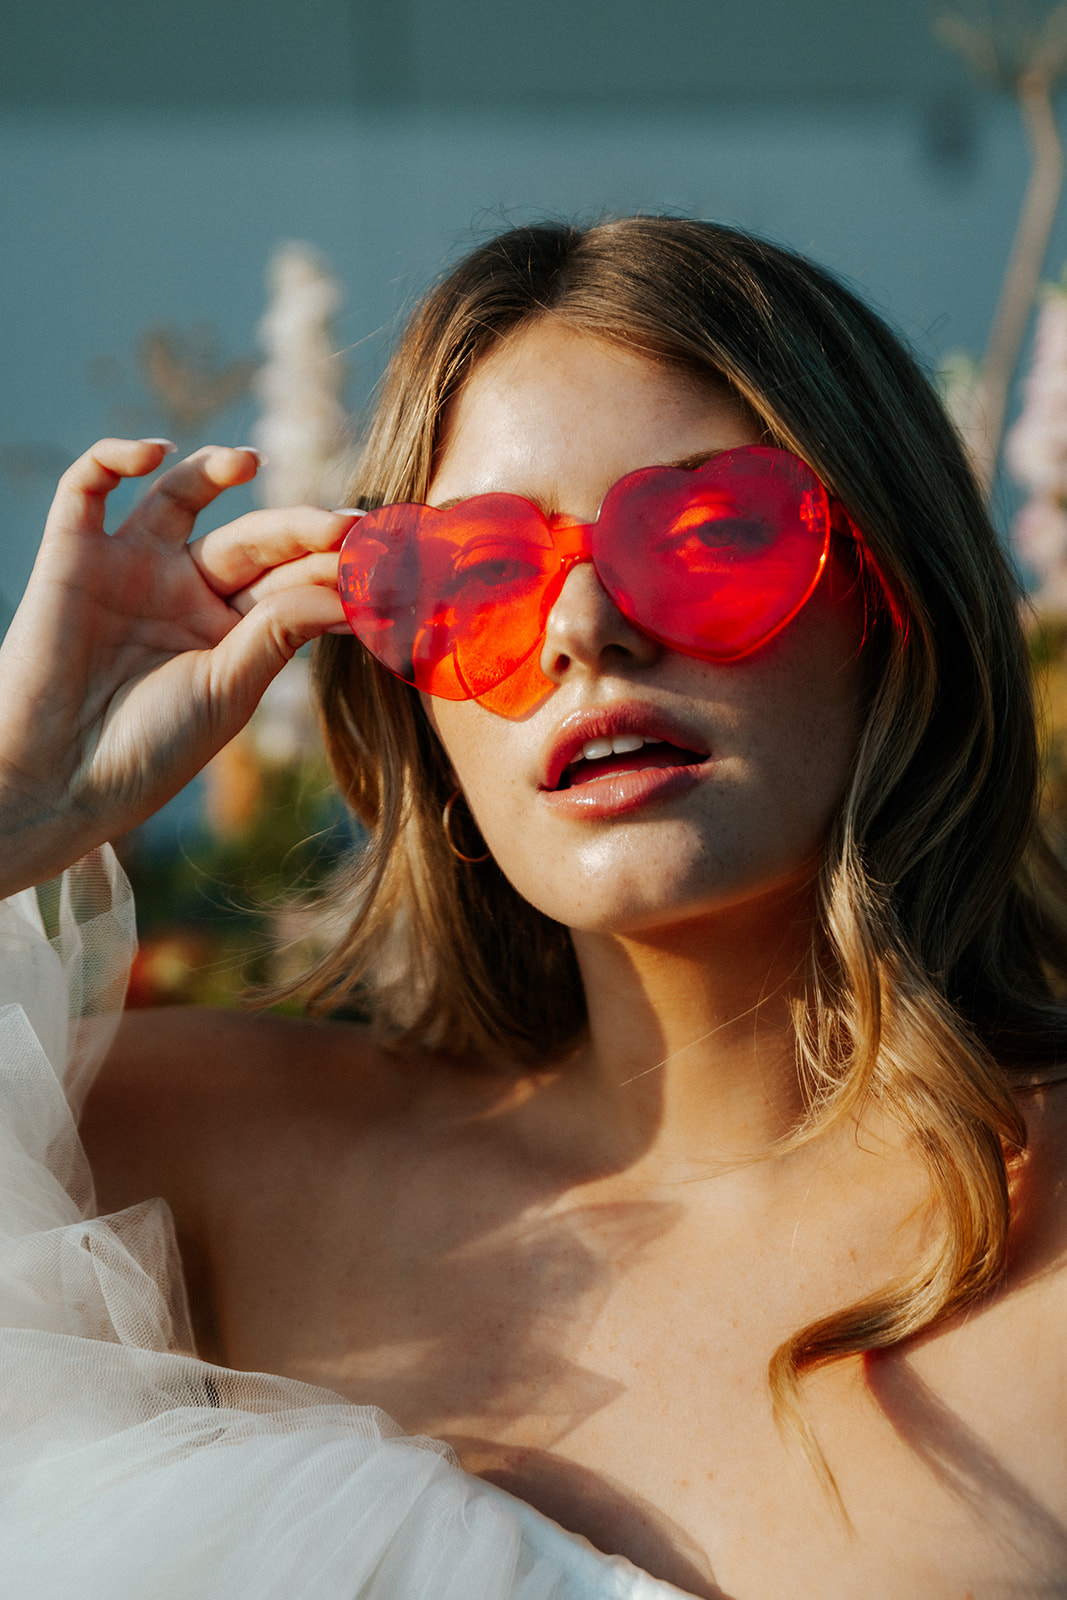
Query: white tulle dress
[(131, 1471)]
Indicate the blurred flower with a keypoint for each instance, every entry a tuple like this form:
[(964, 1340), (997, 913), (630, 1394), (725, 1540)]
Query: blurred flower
[(1036, 453), (1041, 539), (1036, 447), (1041, 534), (165, 970), (303, 431)]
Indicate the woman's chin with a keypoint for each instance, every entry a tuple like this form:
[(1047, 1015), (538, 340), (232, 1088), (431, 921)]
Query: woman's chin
[(610, 901)]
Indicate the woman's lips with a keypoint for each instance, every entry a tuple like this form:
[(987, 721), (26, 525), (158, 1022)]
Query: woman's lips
[(623, 783), (658, 754), (604, 737)]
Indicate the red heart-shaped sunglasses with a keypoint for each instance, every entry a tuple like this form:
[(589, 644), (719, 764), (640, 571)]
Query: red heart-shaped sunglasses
[(711, 562)]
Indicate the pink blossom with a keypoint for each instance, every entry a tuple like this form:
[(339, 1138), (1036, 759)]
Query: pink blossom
[(1040, 533), (1036, 447)]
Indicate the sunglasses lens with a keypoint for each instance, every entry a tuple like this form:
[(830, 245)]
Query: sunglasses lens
[(451, 601), (712, 563), (521, 691), (717, 561)]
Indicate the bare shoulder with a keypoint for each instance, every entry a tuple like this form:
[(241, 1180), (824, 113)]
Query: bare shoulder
[(265, 1135), (184, 1088), (210, 1050)]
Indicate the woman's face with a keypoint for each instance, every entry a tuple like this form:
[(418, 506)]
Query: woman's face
[(743, 764)]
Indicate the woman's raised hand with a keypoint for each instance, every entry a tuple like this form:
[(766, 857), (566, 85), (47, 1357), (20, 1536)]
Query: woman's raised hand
[(135, 656)]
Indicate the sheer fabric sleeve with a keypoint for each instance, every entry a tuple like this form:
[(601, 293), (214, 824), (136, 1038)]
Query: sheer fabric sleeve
[(130, 1470)]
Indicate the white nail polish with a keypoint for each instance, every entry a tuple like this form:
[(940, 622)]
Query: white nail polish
[(251, 450), (169, 447), (348, 511)]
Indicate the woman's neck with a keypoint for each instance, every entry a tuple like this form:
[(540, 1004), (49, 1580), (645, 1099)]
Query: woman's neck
[(691, 1053)]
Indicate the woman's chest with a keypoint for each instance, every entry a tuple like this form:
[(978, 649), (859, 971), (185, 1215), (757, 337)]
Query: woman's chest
[(609, 1366)]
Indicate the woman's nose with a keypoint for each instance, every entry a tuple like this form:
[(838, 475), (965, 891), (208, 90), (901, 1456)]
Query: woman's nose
[(586, 629)]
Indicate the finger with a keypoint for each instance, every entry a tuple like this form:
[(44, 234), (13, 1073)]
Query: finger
[(174, 501), (236, 556), (255, 650), (78, 506), (317, 568)]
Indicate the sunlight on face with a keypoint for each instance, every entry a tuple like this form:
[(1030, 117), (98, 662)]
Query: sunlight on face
[(728, 775)]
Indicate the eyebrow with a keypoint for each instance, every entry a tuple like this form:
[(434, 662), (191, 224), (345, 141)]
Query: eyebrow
[(689, 463)]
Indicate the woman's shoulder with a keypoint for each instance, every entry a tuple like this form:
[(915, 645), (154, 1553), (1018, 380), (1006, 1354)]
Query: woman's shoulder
[(206, 1055), (218, 1050), (265, 1133), (188, 1092)]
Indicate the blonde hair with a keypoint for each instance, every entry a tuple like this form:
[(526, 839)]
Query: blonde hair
[(941, 949)]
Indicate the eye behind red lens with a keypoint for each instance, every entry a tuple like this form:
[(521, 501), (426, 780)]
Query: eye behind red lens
[(451, 601), (715, 567)]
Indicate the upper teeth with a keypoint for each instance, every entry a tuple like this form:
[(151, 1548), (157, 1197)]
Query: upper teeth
[(623, 744)]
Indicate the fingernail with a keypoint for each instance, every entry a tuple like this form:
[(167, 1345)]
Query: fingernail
[(340, 627), (348, 511), (169, 447), (252, 451)]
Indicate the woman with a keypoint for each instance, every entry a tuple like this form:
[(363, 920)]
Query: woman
[(696, 1175)]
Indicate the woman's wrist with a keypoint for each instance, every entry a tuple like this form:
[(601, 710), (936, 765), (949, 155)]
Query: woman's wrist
[(38, 841)]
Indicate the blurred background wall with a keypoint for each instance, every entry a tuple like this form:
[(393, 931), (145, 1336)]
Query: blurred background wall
[(152, 155)]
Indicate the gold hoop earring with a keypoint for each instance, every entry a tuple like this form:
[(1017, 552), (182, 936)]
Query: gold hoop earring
[(446, 824)]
